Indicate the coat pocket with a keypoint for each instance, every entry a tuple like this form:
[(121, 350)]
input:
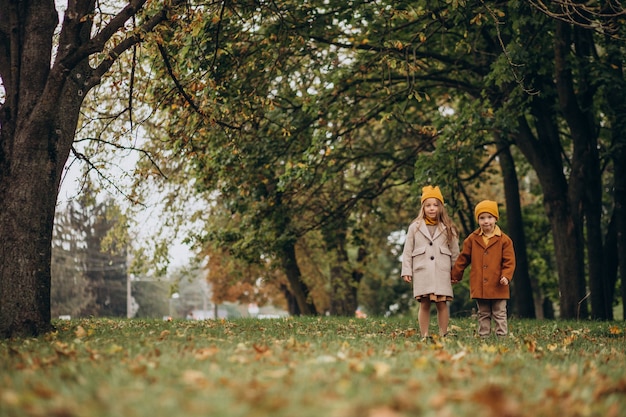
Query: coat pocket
[(419, 251), (445, 250), (417, 257), (444, 261)]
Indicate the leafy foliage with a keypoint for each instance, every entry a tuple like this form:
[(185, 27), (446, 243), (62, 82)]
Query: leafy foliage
[(304, 123)]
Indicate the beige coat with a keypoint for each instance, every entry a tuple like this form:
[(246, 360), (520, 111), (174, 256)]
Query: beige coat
[(487, 265), (429, 260)]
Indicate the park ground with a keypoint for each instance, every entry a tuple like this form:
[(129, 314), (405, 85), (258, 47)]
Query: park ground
[(314, 366)]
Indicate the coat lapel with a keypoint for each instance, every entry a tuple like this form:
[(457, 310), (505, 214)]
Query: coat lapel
[(424, 231)]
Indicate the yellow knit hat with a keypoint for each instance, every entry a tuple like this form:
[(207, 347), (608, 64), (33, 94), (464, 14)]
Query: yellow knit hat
[(431, 192), (487, 206)]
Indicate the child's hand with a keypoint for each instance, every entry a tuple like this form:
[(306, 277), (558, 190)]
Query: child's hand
[(504, 281), (407, 278), (455, 281)]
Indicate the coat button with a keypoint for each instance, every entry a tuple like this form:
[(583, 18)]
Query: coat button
[(432, 257), (431, 243)]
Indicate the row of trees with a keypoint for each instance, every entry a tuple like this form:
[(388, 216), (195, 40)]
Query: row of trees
[(304, 125), (301, 124)]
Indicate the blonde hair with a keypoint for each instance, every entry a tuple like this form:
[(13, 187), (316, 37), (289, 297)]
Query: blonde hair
[(442, 220)]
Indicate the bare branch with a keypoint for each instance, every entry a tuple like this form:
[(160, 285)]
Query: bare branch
[(104, 177), (125, 148), (598, 18)]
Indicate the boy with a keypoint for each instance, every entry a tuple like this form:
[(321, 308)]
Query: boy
[(491, 257)]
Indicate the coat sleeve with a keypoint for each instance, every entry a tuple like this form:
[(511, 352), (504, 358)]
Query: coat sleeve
[(508, 258), (462, 261), (407, 253), (454, 249)]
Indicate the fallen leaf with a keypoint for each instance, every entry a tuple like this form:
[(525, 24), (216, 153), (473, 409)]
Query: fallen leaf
[(194, 378), (43, 391), (205, 353), (80, 332), (383, 411), (381, 369)]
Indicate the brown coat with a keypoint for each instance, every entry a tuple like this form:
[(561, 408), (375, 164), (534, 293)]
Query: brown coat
[(487, 265)]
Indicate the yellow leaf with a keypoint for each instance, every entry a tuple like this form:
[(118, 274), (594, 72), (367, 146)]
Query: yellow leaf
[(489, 348), (80, 332), (381, 369), (114, 349), (421, 362)]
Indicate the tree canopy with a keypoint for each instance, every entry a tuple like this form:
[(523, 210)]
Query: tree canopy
[(295, 119), (313, 125)]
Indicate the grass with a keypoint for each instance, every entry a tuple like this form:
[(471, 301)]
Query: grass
[(303, 367)]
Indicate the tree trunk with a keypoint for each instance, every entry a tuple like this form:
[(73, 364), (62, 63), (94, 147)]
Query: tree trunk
[(521, 286), (343, 290), (38, 120), (35, 146), (585, 184), (544, 154), (616, 110), (298, 289), (619, 197)]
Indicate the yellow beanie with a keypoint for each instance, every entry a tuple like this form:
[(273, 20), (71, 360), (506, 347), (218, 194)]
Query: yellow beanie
[(487, 206), (431, 192)]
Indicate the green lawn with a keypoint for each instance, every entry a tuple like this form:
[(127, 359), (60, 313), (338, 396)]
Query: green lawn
[(300, 367)]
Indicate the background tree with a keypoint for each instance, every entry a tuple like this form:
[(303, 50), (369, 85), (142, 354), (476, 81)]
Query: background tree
[(70, 292), (92, 237)]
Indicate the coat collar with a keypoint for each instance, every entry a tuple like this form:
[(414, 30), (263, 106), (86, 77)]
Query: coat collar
[(492, 241), (424, 230)]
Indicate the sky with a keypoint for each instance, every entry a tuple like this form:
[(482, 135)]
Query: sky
[(149, 220)]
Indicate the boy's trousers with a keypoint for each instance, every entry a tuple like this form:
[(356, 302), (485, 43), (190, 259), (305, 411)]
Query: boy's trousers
[(488, 309)]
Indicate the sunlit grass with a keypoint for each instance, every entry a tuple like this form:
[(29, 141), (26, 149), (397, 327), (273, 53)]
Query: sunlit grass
[(313, 367)]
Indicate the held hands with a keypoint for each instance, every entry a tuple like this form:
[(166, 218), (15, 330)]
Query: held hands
[(504, 281)]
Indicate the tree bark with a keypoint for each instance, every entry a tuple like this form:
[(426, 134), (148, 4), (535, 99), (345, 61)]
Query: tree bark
[(585, 184), (522, 298), (616, 109), (544, 154), (299, 291), (343, 291)]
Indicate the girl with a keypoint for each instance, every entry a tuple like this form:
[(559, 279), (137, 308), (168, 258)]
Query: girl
[(430, 250)]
